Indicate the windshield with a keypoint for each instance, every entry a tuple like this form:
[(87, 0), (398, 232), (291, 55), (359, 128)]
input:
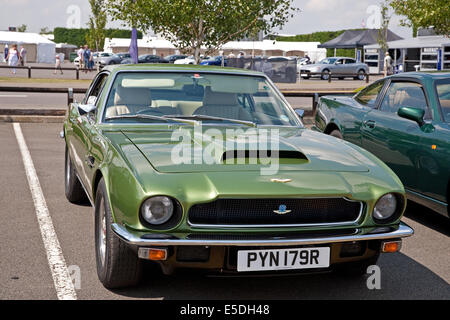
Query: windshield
[(328, 61), (205, 97), (443, 91)]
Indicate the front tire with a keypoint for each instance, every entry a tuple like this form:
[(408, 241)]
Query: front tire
[(117, 265), (72, 186), (325, 74)]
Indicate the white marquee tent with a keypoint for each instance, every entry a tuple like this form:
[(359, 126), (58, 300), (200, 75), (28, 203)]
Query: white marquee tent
[(157, 45), (39, 49)]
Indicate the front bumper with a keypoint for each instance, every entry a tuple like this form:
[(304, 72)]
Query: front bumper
[(381, 233)]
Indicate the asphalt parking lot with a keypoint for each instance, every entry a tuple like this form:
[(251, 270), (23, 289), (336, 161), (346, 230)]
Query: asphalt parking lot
[(420, 271)]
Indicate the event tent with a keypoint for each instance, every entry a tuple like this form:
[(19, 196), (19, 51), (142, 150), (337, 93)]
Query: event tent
[(351, 39), (39, 49)]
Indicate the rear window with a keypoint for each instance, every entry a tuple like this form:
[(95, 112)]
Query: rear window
[(443, 91)]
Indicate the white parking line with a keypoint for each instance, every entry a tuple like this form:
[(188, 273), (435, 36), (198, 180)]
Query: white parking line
[(61, 278)]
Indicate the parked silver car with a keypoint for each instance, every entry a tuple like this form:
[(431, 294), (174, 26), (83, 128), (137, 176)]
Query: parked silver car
[(342, 67)]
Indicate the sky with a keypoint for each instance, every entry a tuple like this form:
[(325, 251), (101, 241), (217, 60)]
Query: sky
[(316, 15)]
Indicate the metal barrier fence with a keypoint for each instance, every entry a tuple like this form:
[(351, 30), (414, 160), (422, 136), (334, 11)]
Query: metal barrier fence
[(30, 68), (277, 69), (71, 91)]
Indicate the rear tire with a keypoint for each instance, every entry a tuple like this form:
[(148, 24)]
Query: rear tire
[(73, 189), (361, 75), (337, 134), (117, 265)]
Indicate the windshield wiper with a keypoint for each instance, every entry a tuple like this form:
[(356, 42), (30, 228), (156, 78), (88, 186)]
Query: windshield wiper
[(200, 117), (150, 117)]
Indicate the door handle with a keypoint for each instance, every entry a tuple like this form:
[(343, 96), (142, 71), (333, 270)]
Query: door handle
[(90, 161), (369, 124)]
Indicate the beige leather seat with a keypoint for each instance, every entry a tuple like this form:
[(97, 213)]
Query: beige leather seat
[(222, 104), (129, 100)]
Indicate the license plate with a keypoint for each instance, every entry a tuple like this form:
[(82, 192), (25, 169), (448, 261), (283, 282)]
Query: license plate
[(303, 75), (283, 259)]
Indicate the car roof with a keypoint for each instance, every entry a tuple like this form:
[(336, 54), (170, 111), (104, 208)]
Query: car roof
[(424, 75), (179, 67)]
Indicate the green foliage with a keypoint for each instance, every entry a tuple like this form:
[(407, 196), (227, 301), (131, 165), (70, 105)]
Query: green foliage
[(22, 28), (322, 36), (424, 13), (192, 24), (95, 38), (45, 30), (78, 36)]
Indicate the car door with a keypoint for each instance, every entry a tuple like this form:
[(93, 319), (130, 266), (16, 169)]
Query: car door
[(352, 116), (85, 131), (339, 66), (350, 66), (393, 139), (434, 160)]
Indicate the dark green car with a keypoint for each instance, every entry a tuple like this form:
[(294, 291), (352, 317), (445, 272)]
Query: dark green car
[(205, 167), (405, 121)]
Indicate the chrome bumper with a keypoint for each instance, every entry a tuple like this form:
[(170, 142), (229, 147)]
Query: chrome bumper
[(131, 239)]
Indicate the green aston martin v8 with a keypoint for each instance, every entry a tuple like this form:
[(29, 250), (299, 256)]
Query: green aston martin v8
[(204, 167), (405, 121)]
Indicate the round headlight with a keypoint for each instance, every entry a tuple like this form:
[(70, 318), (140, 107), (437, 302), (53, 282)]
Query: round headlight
[(385, 207), (157, 210)]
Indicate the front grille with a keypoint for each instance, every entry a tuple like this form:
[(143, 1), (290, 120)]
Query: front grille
[(261, 212), (271, 236)]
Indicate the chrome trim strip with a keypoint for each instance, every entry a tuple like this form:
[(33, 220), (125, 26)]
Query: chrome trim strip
[(346, 223), (131, 239)]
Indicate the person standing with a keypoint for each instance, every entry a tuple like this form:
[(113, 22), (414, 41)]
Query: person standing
[(13, 58), (23, 56), (87, 56), (6, 53), (387, 64), (80, 54), (58, 63)]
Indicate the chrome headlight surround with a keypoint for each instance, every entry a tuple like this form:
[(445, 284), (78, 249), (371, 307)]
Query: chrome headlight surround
[(388, 208), (160, 212)]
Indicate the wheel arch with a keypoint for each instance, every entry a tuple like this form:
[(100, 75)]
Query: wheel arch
[(97, 177), (331, 127)]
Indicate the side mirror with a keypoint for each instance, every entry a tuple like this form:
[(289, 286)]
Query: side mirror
[(86, 108), (300, 113), (413, 114)]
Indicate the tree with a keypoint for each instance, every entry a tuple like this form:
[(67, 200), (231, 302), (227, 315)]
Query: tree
[(44, 30), (22, 28), (193, 24), (384, 27), (97, 24), (424, 13)]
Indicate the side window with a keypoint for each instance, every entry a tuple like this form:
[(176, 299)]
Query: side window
[(350, 61), (95, 90), (405, 94), (368, 96), (340, 61)]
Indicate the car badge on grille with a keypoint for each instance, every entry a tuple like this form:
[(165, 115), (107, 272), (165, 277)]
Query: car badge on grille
[(281, 180), (282, 210)]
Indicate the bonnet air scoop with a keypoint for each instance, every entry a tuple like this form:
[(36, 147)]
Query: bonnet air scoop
[(263, 156)]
